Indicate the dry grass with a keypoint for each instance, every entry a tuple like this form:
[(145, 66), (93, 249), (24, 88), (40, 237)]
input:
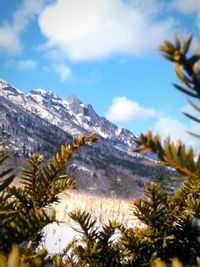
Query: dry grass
[(100, 207)]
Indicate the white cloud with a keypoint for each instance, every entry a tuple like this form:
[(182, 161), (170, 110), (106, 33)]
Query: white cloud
[(154, 6), (168, 126), (123, 109), (188, 7), (63, 71), (26, 64), (10, 32), (9, 40), (95, 29)]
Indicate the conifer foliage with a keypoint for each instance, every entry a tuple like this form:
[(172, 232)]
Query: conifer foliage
[(25, 210), (188, 73), (170, 228)]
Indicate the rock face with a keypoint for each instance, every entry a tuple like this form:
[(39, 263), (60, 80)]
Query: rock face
[(40, 121)]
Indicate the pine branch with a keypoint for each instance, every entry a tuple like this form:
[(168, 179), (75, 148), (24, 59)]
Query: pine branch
[(6, 175), (48, 178), (186, 69), (86, 223), (151, 211), (24, 210), (175, 155)]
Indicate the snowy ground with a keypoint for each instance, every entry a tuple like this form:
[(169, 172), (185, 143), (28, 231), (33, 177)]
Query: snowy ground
[(58, 235)]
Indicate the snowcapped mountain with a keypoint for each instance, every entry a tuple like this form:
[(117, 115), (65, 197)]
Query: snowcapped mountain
[(40, 121), (70, 114)]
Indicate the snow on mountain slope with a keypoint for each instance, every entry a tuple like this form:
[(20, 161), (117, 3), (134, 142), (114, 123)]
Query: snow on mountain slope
[(70, 114), (40, 121)]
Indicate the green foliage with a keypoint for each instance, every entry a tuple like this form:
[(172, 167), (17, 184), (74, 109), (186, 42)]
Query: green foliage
[(175, 263), (96, 247), (27, 260), (186, 69), (171, 223), (188, 73), (6, 175), (170, 228), (25, 210), (176, 155), (184, 205)]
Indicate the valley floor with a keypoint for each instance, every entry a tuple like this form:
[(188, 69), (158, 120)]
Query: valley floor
[(58, 235)]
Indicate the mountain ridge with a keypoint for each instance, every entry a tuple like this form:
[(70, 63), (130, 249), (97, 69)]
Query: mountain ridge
[(39, 121), (83, 115)]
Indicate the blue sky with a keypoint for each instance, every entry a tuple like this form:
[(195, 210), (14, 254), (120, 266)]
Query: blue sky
[(103, 51)]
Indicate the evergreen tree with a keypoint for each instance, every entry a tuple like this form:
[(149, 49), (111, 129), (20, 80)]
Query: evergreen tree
[(25, 210), (171, 229)]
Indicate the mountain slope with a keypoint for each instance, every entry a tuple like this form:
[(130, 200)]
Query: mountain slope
[(70, 114), (39, 121)]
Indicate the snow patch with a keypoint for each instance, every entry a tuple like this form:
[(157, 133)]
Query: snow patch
[(57, 236), (118, 131)]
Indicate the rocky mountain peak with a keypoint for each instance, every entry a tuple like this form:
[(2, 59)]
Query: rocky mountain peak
[(8, 88), (71, 115), (3, 83), (75, 104), (73, 100), (47, 94), (78, 107), (40, 121)]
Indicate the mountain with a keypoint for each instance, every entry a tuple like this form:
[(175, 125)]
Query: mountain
[(40, 121)]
